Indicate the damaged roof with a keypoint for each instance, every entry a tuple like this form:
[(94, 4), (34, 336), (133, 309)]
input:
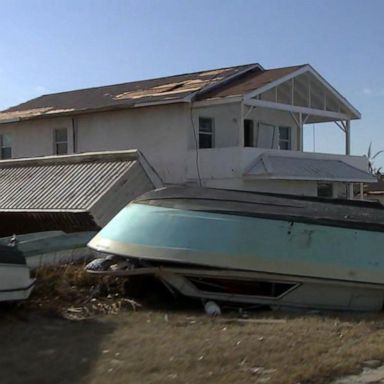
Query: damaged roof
[(71, 192), (119, 96), (249, 81), (210, 85)]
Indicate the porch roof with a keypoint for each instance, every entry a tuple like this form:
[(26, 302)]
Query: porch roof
[(278, 167), (301, 91)]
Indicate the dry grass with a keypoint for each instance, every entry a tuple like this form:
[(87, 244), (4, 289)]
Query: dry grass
[(154, 348), (72, 292), (162, 346)]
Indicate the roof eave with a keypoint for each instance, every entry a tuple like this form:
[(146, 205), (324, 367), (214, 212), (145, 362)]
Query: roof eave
[(89, 110)]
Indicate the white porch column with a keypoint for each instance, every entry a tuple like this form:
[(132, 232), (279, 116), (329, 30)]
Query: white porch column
[(348, 137), (350, 191), (361, 191)]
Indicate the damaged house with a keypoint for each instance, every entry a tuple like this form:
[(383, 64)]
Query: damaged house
[(239, 128)]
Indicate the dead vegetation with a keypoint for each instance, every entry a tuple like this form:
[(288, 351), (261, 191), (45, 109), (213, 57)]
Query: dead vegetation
[(117, 341), (70, 291)]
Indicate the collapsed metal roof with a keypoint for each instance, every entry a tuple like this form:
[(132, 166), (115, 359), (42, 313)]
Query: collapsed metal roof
[(71, 192), (279, 167)]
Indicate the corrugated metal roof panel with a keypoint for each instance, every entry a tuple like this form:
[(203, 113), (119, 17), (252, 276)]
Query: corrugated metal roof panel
[(60, 188), (269, 166)]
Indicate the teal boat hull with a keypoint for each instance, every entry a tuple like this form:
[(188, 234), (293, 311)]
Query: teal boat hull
[(326, 266)]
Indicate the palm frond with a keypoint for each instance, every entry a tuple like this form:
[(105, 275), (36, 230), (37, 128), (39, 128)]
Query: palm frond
[(377, 154)]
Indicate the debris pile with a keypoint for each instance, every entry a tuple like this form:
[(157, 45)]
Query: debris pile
[(71, 292)]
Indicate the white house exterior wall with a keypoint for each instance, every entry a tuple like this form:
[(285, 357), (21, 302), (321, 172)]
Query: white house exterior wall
[(277, 118), (35, 138), (164, 134), (158, 132), (226, 124)]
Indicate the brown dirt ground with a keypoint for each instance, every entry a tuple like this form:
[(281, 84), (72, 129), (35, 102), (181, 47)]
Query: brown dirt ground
[(44, 342)]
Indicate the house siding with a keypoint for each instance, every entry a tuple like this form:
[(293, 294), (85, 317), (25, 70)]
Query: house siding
[(160, 133), (226, 123), (165, 136), (35, 138)]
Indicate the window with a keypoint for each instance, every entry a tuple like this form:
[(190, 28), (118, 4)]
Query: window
[(285, 138), (325, 190), (6, 146), (61, 141), (248, 133), (205, 132)]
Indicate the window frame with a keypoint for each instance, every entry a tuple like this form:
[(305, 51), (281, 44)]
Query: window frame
[(57, 143), (3, 147), (206, 133), (288, 141)]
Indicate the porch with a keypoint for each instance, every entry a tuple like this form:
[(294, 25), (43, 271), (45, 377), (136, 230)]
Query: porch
[(255, 140)]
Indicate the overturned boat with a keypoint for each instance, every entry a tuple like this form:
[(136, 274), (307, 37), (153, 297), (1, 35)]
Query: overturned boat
[(51, 247), (251, 248), (15, 281)]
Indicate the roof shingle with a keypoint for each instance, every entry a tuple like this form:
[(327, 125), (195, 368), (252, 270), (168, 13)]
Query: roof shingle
[(165, 89)]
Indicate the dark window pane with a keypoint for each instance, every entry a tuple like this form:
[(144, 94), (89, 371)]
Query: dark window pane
[(6, 153), (324, 190), (205, 125), (248, 133), (61, 149), (285, 138), (284, 133), (205, 140), (60, 135), (6, 140)]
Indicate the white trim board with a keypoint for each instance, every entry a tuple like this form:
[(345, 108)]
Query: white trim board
[(293, 108)]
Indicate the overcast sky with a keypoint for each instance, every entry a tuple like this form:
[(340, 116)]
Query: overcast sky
[(51, 46)]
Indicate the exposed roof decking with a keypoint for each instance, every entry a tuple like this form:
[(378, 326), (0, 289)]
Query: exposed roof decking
[(119, 96), (249, 82)]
